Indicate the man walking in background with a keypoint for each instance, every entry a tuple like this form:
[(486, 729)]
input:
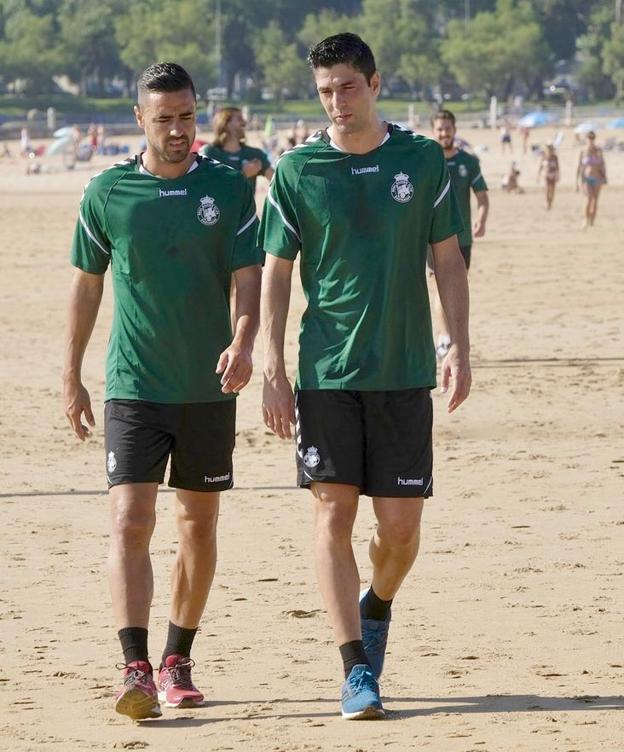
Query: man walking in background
[(360, 201), (466, 177), (174, 227), (230, 148)]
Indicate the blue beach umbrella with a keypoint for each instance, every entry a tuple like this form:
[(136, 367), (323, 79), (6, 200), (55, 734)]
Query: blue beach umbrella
[(535, 119)]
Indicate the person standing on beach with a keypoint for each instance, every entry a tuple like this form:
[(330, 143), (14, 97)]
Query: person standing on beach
[(549, 167), (466, 178), (360, 201), (229, 146), (174, 227), (591, 174)]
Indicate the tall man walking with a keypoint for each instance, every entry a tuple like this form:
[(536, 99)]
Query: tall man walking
[(360, 201), (174, 227)]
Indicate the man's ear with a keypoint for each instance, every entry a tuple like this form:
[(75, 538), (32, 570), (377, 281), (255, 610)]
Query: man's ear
[(139, 116), (375, 83)]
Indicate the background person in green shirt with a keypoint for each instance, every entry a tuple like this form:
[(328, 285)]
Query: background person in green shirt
[(174, 228), (360, 202), (230, 148), (466, 177)]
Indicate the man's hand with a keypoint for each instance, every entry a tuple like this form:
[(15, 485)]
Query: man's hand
[(251, 168), (278, 406), (236, 366), (77, 402), (478, 228), (456, 368)]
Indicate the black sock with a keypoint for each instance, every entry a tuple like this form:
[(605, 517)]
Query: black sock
[(353, 654), (133, 643), (179, 641), (372, 607)]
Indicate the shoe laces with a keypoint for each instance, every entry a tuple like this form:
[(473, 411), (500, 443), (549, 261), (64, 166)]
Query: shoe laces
[(362, 680), (375, 639), (181, 673), (134, 674)]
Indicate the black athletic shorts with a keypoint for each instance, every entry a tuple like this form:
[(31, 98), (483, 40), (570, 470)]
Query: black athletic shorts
[(141, 436), (377, 441), (465, 252)]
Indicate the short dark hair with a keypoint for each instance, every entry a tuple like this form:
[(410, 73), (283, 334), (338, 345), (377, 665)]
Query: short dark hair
[(344, 48), (164, 77), (443, 115)]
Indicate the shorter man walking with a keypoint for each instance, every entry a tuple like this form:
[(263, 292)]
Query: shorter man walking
[(175, 228)]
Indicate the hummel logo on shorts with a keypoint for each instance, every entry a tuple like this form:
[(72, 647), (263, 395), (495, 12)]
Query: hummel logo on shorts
[(410, 481)]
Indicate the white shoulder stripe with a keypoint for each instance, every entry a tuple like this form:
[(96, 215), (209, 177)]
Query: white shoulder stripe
[(274, 203), (475, 180), (442, 195), (92, 236), (247, 224)]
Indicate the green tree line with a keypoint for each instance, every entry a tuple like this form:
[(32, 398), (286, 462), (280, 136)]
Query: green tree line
[(259, 46)]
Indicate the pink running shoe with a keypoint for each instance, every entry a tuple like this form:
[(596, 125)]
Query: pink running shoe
[(176, 687), (138, 697)]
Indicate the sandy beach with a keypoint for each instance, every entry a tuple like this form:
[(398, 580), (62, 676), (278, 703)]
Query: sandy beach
[(506, 636)]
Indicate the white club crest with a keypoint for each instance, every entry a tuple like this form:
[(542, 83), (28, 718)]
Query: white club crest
[(208, 212), (463, 170), (311, 458), (402, 190), (111, 462)]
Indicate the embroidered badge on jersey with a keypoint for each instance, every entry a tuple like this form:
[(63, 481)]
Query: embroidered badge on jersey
[(402, 190), (208, 212)]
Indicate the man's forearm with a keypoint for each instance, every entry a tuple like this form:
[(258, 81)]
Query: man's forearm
[(84, 302), (247, 312), (452, 284), (275, 300)]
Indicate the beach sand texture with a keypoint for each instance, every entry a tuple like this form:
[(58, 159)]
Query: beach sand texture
[(508, 634)]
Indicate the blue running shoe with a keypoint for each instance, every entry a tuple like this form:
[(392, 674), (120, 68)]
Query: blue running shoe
[(360, 695), (375, 639)]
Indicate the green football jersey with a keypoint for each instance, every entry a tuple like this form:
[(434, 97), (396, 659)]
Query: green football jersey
[(465, 172), (362, 223), (172, 246), (237, 159)]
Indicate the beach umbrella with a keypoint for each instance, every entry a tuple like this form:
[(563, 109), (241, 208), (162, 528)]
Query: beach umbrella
[(62, 132), (60, 146), (535, 119), (617, 123), (586, 127)]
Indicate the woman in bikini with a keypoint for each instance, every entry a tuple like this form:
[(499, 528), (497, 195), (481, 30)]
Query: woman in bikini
[(592, 174), (549, 165)]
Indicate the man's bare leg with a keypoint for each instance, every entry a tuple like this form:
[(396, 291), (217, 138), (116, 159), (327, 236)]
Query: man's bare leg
[(197, 514), (335, 510), (133, 517), (394, 545)]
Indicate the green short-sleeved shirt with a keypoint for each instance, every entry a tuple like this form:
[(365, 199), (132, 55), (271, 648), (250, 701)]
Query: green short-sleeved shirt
[(362, 223), (172, 246), (465, 172), (237, 159)]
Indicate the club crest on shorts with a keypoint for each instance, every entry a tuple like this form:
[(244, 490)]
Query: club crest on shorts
[(311, 458), (402, 190), (208, 212), (111, 462), (462, 170)]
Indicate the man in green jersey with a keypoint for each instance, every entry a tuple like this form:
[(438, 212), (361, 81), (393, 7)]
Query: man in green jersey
[(174, 227), (230, 148), (360, 201), (466, 177)]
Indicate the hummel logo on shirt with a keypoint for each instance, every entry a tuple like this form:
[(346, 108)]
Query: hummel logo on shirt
[(166, 194), (363, 170)]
